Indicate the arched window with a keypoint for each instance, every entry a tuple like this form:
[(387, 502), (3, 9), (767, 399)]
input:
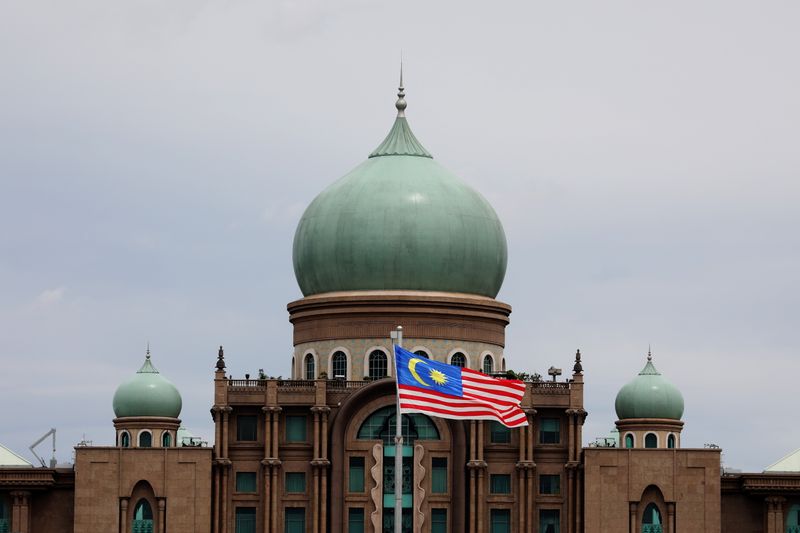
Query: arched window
[(293, 368), (339, 366), (310, 370), (650, 440), (380, 425), (378, 365), (142, 517), (125, 439), (671, 441), (629, 441), (651, 521), (504, 364), (166, 439), (145, 439), (488, 364), (422, 354), (458, 359)]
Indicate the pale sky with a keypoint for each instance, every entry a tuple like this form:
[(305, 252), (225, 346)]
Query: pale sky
[(643, 156)]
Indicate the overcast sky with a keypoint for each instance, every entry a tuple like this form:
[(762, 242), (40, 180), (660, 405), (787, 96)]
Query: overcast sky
[(156, 157)]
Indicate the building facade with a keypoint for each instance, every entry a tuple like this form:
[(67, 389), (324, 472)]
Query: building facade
[(398, 241)]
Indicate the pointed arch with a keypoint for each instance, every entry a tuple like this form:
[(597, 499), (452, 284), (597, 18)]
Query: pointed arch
[(309, 366), (652, 514), (143, 513)]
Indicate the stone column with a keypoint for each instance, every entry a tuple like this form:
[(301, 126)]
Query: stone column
[(20, 511), (123, 514), (162, 522), (671, 517), (473, 457), (632, 510)]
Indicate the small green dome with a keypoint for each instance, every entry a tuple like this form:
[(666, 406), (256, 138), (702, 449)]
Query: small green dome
[(649, 395), (147, 393), (400, 221)]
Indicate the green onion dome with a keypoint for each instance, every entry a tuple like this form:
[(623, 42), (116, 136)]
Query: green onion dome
[(649, 395), (147, 393), (400, 221)]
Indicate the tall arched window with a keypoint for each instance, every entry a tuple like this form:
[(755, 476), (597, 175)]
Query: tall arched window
[(339, 366), (422, 354), (629, 441), (378, 365), (650, 440), (125, 439), (651, 521), (488, 364), (458, 359), (671, 441), (166, 440), (142, 517), (310, 370), (145, 439), (293, 368)]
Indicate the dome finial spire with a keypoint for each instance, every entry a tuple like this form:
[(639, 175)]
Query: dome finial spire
[(147, 353), (649, 354), (401, 102)]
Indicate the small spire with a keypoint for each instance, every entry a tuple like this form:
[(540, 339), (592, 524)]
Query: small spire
[(649, 354), (147, 354), (401, 102), (220, 359), (578, 368)]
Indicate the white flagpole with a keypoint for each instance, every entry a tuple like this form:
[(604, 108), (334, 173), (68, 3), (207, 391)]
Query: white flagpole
[(398, 443)]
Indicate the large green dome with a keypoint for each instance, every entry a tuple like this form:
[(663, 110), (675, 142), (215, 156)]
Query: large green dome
[(147, 393), (400, 221), (649, 395)]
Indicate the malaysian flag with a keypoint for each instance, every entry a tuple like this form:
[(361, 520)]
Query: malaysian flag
[(439, 389)]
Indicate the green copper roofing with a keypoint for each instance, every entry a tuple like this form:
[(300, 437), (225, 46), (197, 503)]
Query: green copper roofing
[(400, 221), (147, 393), (400, 141), (649, 395)]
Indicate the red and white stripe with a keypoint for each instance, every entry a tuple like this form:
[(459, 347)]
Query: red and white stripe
[(484, 398)]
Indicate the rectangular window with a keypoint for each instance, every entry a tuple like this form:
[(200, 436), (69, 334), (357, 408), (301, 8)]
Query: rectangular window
[(294, 520), (499, 433), (296, 428), (439, 475), (245, 482), (295, 481), (245, 520), (549, 484), (500, 483), (549, 521), (355, 520), (550, 431), (356, 475), (500, 521), (438, 520), (247, 427)]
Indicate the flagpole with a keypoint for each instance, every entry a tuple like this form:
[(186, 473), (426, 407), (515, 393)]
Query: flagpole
[(398, 444)]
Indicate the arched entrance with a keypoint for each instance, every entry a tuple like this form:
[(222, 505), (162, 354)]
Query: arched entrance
[(381, 425)]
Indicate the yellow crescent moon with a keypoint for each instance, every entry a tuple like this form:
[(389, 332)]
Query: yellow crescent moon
[(412, 366)]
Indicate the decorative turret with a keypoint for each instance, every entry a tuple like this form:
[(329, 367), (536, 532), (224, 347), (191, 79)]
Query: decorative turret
[(147, 407), (649, 409)]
